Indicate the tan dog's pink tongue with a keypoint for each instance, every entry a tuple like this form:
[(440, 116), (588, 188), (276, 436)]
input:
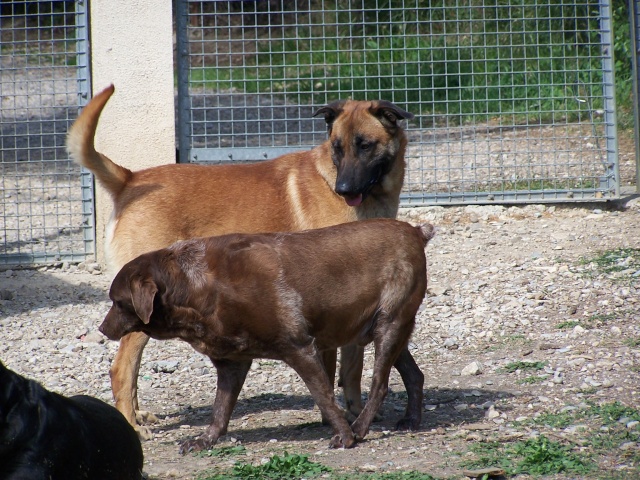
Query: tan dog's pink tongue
[(353, 201)]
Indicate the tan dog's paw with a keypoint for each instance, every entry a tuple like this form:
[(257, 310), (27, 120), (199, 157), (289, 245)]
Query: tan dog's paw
[(145, 418), (339, 442), (144, 433)]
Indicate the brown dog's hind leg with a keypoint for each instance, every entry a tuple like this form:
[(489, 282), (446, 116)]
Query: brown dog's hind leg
[(231, 377), (124, 376), (413, 380), (306, 362), (389, 345)]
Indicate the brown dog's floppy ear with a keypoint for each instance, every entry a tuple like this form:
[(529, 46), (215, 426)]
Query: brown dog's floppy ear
[(388, 113), (330, 112), (143, 291)]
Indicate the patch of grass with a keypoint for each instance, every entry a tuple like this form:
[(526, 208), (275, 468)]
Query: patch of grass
[(285, 467), (611, 262), (606, 430), (223, 452), (410, 475), (593, 321), (535, 456), (532, 379), (293, 467), (568, 324), (632, 342), (514, 366), (516, 58)]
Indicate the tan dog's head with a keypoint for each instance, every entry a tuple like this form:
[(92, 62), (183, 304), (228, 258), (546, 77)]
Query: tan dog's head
[(366, 142)]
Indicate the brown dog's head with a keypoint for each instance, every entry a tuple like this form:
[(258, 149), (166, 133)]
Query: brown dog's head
[(366, 141), (132, 292)]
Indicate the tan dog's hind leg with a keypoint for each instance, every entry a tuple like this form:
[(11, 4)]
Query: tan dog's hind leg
[(124, 375), (351, 364)]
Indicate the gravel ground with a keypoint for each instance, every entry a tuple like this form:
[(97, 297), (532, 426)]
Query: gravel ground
[(506, 284)]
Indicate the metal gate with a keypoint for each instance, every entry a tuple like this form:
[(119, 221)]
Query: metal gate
[(514, 101), (47, 203)]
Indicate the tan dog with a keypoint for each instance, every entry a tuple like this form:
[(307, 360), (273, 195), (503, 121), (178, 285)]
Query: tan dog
[(356, 174), (289, 297)]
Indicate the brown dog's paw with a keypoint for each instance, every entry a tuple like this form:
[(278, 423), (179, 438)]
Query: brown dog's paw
[(144, 433), (144, 418), (203, 442), (408, 424)]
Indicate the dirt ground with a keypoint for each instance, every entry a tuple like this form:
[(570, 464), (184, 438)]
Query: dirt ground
[(521, 286)]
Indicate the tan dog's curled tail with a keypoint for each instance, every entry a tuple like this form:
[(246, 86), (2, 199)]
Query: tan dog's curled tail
[(80, 145), (427, 232)]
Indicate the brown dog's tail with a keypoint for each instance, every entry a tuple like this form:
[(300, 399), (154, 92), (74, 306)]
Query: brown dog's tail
[(80, 144), (426, 231)]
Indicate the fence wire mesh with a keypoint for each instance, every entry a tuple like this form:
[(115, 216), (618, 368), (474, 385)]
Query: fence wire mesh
[(46, 205), (513, 100)]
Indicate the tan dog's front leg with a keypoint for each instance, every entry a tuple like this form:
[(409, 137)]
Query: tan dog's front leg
[(351, 364), (124, 376)]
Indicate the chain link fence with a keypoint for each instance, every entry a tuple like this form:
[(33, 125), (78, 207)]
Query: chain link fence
[(47, 203), (514, 101)]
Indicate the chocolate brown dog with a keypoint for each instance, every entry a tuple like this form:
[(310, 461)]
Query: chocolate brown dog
[(45, 436), (356, 174), (285, 296)]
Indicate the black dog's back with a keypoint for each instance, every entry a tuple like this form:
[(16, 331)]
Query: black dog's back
[(44, 435)]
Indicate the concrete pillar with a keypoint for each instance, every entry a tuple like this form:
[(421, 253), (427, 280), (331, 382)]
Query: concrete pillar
[(132, 47)]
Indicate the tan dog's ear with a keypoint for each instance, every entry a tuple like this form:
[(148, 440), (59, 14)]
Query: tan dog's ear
[(143, 291), (330, 112), (388, 113)]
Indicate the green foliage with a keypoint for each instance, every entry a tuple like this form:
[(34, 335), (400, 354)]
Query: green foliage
[(513, 366), (632, 342), (567, 324), (519, 58), (222, 452), (286, 467), (613, 261), (410, 475), (532, 379), (535, 456), (592, 322)]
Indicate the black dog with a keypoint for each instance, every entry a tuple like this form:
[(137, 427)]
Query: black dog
[(45, 436)]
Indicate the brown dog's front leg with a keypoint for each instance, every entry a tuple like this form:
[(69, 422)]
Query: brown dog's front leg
[(231, 377), (124, 375), (306, 362)]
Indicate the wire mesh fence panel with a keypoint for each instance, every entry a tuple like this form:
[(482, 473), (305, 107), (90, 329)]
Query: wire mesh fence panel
[(513, 100), (46, 205)]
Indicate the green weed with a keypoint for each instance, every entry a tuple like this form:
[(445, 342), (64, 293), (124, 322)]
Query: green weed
[(614, 261), (632, 342), (222, 452), (514, 366), (532, 379), (285, 467), (568, 324), (535, 456)]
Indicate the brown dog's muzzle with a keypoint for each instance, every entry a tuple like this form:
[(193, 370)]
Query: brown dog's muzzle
[(112, 326)]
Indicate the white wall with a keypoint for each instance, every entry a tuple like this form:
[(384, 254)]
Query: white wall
[(132, 47)]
